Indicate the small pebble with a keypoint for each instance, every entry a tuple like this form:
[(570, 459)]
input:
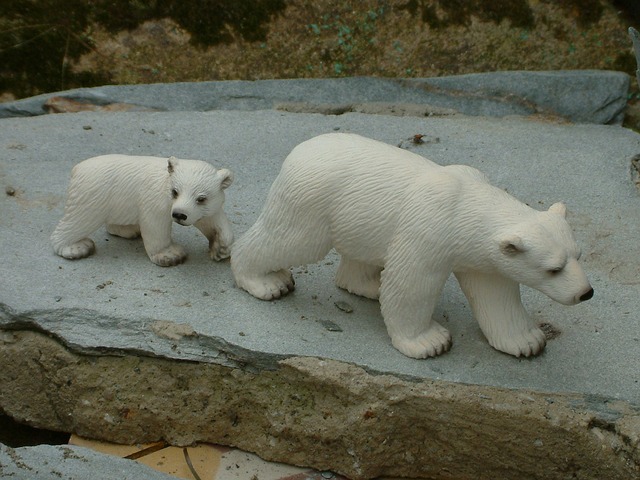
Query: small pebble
[(331, 326), (344, 306), (10, 191)]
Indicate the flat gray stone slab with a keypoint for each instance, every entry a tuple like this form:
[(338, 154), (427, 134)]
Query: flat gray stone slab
[(118, 301), (46, 462), (586, 96)]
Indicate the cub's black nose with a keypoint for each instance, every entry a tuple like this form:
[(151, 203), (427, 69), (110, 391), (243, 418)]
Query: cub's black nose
[(179, 216), (586, 296)]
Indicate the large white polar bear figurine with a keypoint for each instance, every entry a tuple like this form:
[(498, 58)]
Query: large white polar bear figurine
[(142, 196), (402, 224)]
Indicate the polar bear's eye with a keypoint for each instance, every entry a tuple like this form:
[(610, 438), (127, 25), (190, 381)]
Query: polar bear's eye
[(555, 271), (174, 193), (201, 199)]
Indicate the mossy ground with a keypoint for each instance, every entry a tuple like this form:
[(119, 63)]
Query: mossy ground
[(325, 38), (328, 38)]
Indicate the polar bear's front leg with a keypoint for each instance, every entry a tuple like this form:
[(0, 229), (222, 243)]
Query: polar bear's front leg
[(156, 237), (359, 278), (408, 296), (495, 301), (218, 231), (81, 249)]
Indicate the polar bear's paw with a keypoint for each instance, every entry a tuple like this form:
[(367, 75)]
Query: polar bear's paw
[(219, 251), (172, 255), (80, 249), (527, 343), (270, 286), (431, 343)]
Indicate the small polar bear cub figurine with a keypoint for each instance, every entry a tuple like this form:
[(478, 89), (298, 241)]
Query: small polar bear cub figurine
[(402, 224), (142, 196)]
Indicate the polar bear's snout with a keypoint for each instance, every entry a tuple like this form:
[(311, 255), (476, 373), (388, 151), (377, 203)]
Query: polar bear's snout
[(179, 217), (585, 296)]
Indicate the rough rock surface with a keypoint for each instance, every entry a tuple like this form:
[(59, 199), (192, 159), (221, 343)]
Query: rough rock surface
[(325, 414)]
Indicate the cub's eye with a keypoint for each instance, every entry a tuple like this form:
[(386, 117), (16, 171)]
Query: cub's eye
[(201, 199), (555, 271), (174, 193)]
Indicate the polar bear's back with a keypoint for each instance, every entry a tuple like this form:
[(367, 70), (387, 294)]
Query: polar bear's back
[(349, 184), (116, 184), (115, 166), (345, 153), (336, 165)]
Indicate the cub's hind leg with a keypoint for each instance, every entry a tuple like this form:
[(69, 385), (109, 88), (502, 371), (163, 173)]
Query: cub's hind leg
[(70, 239)]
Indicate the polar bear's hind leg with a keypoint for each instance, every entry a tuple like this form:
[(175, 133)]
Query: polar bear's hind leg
[(359, 278), (260, 261), (70, 239), (268, 286)]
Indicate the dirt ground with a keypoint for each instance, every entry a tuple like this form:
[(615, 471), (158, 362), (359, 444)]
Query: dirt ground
[(331, 38)]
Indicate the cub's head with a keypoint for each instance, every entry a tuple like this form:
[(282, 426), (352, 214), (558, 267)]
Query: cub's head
[(542, 254), (197, 189)]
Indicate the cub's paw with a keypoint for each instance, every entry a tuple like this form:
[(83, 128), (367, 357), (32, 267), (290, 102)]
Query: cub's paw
[(80, 249), (521, 344), (172, 255), (435, 341), (219, 252), (270, 286)]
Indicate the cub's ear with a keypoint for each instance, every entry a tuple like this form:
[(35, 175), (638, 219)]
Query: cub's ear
[(559, 208), (171, 164), (512, 245), (226, 177)]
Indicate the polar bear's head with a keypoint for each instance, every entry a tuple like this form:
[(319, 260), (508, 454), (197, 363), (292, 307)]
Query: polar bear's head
[(197, 189), (542, 254)]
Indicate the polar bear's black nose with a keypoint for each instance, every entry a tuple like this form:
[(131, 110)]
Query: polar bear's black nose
[(586, 296), (179, 216)]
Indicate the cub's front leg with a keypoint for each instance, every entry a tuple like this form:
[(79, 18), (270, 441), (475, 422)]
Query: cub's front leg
[(218, 231), (156, 236)]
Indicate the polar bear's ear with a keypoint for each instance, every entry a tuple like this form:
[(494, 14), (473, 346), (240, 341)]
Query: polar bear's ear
[(512, 245), (559, 208), (226, 177), (171, 164)]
